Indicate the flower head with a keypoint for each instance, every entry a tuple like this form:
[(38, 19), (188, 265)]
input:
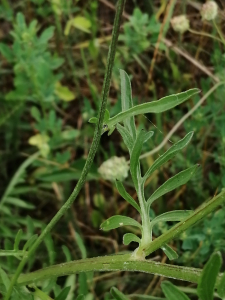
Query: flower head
[(114, 168), (180, 23), (209, 10)]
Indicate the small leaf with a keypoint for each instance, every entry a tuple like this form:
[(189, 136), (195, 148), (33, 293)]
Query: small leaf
[(126, 196), (30, 242), (170, 253), (148, 135), (171, 292), (80, 297), (118, 221), (221, 287), (126, 102), (4, 278), (127, 138), (106, 116), (78, 22), (117, 294), (17, 239), (6, 52), (134, 158), (208, 277), (19, 203), (130, 237), (63, 294), (170, 153), (175, 215), (63, 92), (93, 120), (172, 183), (46, 35)]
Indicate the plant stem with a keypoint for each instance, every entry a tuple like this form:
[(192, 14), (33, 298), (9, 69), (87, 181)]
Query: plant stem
[(205, 34), (112, 263), (93, 149)]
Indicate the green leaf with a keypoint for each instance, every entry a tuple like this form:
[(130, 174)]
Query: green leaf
[(106, 116), (130, 237), (19, 203), (93, 120), (4, 278), (170, 153), (63, 92), (80, 297), (157, 106), (64, 293), (126, 196), (117, 294), (30, 242), (176, 215), (171, 292), (221, 287), (172, 183), (127, 138), (46, 35), (134, 158), (208, 277), (148, 135), (126, 102), (170, 253), (17, 239), (6, 52), (118, 221)]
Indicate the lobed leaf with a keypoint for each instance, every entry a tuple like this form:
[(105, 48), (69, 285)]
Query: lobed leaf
[(176, 215), (172, 183), (170, 153), (130, 237), (126, 196), (117, 294), (157, 106), (127, 103), (171, 292), (208, 277), (170, 253), (118, 221)]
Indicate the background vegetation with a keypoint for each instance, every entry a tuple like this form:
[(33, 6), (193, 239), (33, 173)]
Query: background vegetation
[(53, 56)]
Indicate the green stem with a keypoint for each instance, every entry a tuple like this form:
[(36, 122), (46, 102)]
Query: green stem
[(219, 32), (113, 263), (92, 152), (205, 34), (176, 230)]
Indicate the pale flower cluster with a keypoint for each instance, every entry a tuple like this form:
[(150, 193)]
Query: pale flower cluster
[(209, 10), (180, 23), (114, 168)]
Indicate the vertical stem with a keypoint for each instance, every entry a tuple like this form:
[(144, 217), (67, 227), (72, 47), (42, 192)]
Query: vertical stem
[(92, 152)]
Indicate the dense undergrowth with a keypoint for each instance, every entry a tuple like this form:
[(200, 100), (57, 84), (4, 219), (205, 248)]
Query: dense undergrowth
[(53, 58)]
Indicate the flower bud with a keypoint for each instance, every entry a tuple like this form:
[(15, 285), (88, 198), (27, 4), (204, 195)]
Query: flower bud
[(180, 23), (209, 10), (114, 168)]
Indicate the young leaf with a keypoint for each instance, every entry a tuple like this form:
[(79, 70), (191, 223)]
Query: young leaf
[(171, 292), (208, 277), (93, 120), (221, 287), (176, 215), (170, 253), (126, 102), (157, 106), (134, 158), (172, 183), (117, 294), (126, 196), (118, 221), (17, 239), (148, 135), (130, 237), (126, 136), (170, 153), (106, 116)]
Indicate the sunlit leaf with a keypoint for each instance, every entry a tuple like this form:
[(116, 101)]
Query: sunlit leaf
[(93, 120), (63, 92), (171, 292), (172, 183), (118, 221), (208, 277), (126, 196), (170, 253), (130, 237), (78, 22)]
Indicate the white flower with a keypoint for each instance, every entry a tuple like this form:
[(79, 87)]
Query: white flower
[(209, 10), (180, 23), (114, 168)]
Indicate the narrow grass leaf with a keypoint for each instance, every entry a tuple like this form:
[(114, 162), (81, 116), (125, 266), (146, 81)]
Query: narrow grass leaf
[(170, 253), (134, 158), (17, 239), (172, 293), (30, 242), (169, 154), (127, 138), (126, 102), (157, 106), (67, 253), (19, 203), (208, 277), (176, 215), (126, 196), (63, 294), (4, 278), (117, 294), (118, 221), (148, 135), (172, 183), (130, 237), (221, 287)]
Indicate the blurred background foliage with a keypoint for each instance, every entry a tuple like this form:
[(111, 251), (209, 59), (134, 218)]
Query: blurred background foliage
[(53, 57)]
